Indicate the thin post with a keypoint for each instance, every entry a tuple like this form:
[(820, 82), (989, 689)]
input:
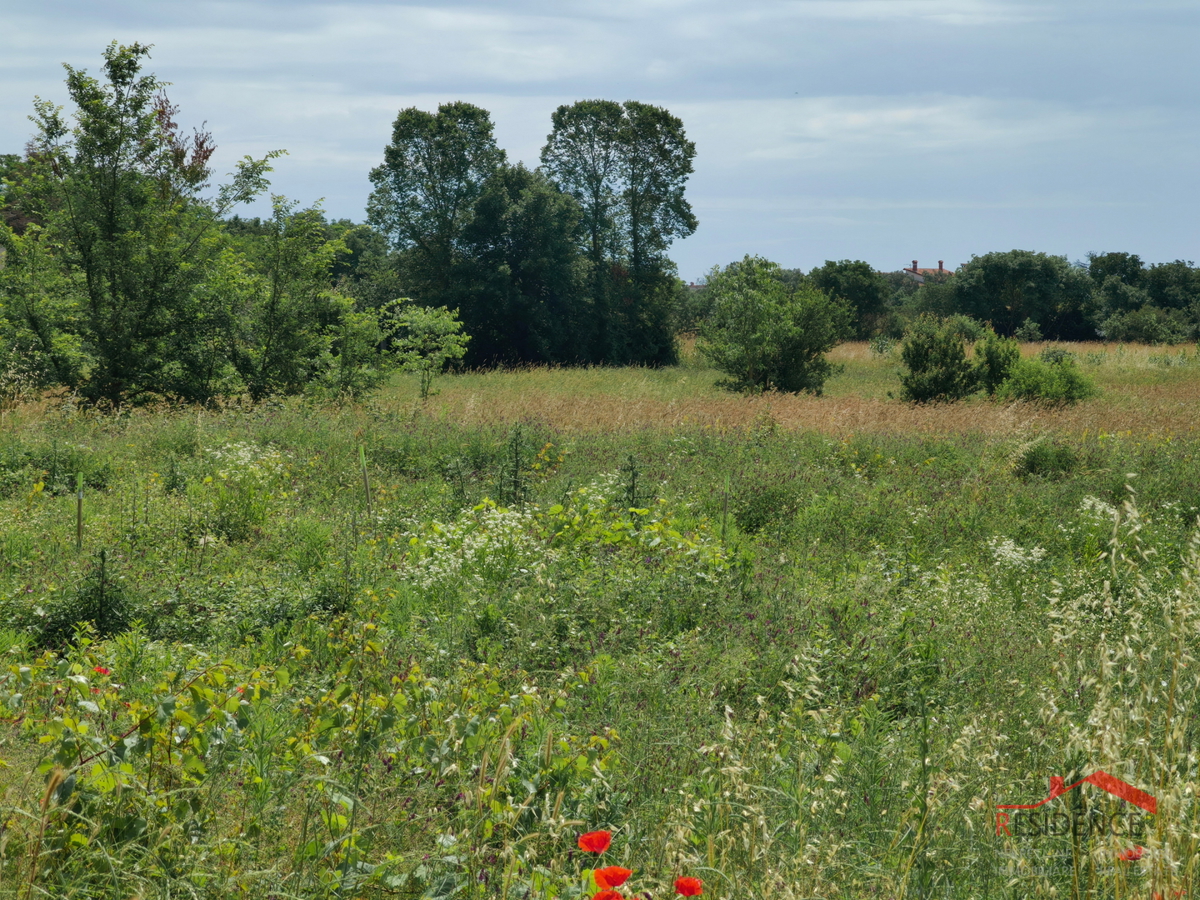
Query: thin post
[(78, 510), (362, 459)]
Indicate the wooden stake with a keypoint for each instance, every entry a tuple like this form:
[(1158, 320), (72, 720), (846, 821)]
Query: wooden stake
[(362, 459), (79, 511)]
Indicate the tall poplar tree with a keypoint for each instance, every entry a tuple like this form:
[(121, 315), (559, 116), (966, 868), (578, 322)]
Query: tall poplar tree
[(626, 165)]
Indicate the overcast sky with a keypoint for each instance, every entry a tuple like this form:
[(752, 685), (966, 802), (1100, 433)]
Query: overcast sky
[(883, 130)]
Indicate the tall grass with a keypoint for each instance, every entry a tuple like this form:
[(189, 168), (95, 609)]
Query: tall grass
[(794, 647)]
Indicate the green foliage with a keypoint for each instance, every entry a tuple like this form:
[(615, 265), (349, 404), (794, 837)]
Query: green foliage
[(122, 196), (433, 171), (765, 336), (287, 317), (423, 339), (1006, 289), (1052, 381), (1028, 332), (520, 286), (759, 506), (1147, 325), (937, 365), (626, 165), (994, 359), (857, 283), (1046, 458)]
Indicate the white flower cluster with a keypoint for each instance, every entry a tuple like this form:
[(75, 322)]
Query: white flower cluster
[(1097, 511), (488, 544), (239, 461), (1011, 555)]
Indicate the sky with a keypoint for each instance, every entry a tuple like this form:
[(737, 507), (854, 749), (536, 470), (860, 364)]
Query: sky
[(882, 130)]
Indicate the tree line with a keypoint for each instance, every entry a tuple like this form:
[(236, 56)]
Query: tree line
[(127, 274)]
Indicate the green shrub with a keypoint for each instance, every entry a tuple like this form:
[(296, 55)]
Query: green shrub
[(766, 335), (967, 328), (761, 506), (994, 358), (938, 369), (1045, 459), (1029, 332), (1148, 325), (1047, 382)]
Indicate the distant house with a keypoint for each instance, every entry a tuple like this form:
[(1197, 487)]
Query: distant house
[(919, 275)]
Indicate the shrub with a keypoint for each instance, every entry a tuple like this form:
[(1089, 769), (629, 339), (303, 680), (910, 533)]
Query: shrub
[(938, 369), (1047, 382), (1148, 325), (1045, 459), (766, 335), (760, 506), (994, 358), (965, 327), (1029, 332)]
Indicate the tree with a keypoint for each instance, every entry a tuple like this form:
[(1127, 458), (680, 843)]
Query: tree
[(766, 335), (423, 339), (520, 284), (1008, 288), (120, 193), (934, 354), (288, 317), (626, 165), (1126, 267), (433, 172), (858, 284)]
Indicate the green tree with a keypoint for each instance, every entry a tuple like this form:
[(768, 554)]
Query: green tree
[(934, 354), (433, 172), (1008, 288), (766, 335), (288, 317), (627, 166), (856, 282), (121, 194), (521, 282), (423, 339), (1126, 267)]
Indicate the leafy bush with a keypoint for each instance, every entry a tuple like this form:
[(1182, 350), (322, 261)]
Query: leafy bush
[(938, 369), (760, 506), (965, 327), (766, 335), (1045, 459), (1029, 332), (994, 358), (1148, 325), (1047, 382)]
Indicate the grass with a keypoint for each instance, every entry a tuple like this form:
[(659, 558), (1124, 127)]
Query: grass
[(793, 646)]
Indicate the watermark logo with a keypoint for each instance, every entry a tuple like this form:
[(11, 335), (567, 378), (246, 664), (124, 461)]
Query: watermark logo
[(1029, 819)]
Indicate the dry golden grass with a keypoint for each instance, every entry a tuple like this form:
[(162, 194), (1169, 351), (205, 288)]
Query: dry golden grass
[(1139, 395)]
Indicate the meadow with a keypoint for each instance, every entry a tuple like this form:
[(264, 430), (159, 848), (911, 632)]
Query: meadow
[(792, 646)]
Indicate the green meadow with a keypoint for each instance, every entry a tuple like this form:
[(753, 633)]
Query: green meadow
[(794, 647)]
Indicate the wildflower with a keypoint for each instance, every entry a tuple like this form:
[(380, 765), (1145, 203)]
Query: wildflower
[(611, 876), (608, 895), (688, 886), (100, 670), (595, 841), (1131, 854)]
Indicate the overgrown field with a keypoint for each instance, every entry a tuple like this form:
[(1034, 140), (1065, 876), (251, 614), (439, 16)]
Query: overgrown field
[(790, 646)]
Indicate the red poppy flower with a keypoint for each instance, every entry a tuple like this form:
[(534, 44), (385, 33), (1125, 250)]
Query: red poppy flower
[(100, 670), (611, 876), (608, 895), (689, 887), (1131, 854), (595, 841)]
